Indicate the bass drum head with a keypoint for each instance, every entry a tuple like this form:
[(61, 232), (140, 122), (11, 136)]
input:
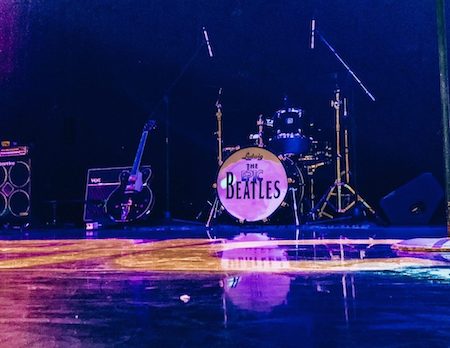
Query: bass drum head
[(251, 184)]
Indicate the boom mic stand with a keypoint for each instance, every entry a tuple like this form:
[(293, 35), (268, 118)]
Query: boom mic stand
[(166, 101), (341, 197)]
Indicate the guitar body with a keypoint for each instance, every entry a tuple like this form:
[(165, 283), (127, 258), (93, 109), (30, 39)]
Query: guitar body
[(133, 199), (125, 205)]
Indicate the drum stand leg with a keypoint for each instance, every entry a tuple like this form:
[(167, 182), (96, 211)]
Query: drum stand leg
[(312, 196), (213, 212), (341, 190), (216, 205), (294, 206)]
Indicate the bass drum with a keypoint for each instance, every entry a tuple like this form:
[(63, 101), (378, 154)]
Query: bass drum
[(253, 182)]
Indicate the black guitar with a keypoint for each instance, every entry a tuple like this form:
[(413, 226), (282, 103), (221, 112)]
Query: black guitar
[(133, 199)]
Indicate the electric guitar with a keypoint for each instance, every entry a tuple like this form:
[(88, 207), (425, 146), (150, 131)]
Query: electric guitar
[(133, 199)]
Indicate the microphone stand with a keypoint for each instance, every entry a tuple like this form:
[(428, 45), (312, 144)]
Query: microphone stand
[(166, 101), (346, 66), (336, 200)]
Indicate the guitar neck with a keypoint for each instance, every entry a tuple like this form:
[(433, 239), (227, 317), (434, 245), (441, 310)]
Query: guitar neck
[(140, 151)]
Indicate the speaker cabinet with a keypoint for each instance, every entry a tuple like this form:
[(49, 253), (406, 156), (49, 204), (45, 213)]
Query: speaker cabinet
[(15, 185), (101, 182), (413, 203)]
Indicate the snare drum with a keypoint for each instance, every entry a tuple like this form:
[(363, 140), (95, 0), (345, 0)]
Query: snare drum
[(252, 183)]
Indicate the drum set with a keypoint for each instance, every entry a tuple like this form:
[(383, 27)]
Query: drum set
[(277, 170), (272, 178)]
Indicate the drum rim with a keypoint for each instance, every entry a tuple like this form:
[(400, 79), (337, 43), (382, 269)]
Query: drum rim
[(299, 111), (217, 184)]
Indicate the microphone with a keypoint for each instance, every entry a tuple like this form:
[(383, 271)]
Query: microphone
[(313, 32), (205, 34)]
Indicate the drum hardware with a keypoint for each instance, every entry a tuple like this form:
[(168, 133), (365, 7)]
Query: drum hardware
[(255, 167), (230, 149), (341, 188), (296, 188), (312, 196), (259, 137), (219, 129), (216, 207), (260, 125), (310, 171), (295, 211), (343, 195)]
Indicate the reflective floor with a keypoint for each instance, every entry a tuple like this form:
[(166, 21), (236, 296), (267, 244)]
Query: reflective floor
[(207, 290)]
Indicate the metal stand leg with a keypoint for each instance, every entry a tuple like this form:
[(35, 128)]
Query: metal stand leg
[(341, 197), (294, 206), (216, 205), (213, 212)]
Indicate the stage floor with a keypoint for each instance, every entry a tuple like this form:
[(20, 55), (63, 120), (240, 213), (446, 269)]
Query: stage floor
[(184, 286)]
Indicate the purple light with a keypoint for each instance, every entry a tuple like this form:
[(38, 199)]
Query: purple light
[(8, 36)]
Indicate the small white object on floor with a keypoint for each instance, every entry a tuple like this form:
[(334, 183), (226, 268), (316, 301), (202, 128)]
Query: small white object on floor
[(185, 298)]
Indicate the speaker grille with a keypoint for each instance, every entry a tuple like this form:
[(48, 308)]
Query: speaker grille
[(20, 174), (15, 187)]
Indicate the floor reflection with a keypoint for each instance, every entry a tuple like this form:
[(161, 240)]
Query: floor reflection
[(104, 308), (254, 291), (251, 291)]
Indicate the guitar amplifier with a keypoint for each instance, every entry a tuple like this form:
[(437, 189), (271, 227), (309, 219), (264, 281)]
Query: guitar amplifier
[(101, 182), (15, 185)]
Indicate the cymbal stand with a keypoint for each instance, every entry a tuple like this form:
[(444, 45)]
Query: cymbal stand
[(346, 144), (219, 130), (341, 187), (341, 197), (216, 206), (260, 124)]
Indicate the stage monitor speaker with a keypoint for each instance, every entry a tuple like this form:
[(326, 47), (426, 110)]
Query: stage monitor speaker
[(15, 186), (101, 182), (413, 203)]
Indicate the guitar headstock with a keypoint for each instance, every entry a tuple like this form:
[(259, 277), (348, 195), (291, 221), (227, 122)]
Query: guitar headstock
[(150, 125)]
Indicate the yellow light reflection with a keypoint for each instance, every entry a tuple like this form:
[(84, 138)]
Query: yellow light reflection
[(188, 255)]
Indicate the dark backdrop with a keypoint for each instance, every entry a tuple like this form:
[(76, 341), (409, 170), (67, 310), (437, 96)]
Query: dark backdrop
[(79, 79)]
